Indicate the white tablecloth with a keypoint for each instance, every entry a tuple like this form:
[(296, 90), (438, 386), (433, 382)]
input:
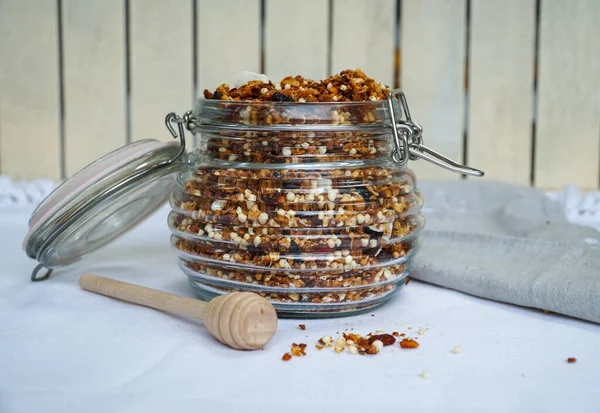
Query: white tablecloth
[(66, 350)]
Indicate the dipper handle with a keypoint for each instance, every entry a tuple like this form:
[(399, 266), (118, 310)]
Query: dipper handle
[(242, 320)]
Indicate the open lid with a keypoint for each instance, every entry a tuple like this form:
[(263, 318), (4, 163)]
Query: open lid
[(103, 201)]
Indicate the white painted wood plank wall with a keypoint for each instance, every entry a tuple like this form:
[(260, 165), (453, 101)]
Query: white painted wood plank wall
[(363, 37), (296, 38), (161, 64), (94, 80), (29, 89), (568, 129), (432, 39), (501, 69), (79, 79)]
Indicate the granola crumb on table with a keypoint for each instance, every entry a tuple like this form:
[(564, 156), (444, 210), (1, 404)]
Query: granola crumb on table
[(408, 343)]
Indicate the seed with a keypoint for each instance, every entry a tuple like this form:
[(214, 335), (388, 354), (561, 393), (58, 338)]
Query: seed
[(378, 344), (322, 150), (335, 117), (456, 350), (338, 349), (305, 145), (242, 218), (263, 218), (343, 87), (290, 196), (364, 242), (326, 339), (286, 152), (257, 241), (331, 243), (264, 91), (360, 219), (373, 243), (352, 151), (288, 87), (332, 194), (348, 259), (352, 350), (218, 205)]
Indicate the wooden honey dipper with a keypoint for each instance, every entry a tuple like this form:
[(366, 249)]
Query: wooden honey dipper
[(242, 320)]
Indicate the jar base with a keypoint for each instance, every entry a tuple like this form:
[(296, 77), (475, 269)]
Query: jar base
[(306, 310)]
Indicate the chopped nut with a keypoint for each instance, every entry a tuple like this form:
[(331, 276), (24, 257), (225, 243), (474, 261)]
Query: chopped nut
[(421, 331), (302, 326), (298, 350), (571, 360), (286, 357), (339, 349), (386, 339), (409, 343)]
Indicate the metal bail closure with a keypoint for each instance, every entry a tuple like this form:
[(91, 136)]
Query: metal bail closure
[(408, 140)]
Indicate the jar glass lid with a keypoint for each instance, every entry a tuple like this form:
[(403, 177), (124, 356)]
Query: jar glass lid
[(103, 201)]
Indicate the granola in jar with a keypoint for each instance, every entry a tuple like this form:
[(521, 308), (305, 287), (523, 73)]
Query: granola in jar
[(293, 193)]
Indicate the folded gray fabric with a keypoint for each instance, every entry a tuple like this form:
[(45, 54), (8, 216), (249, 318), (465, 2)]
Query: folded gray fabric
[(509, 244)]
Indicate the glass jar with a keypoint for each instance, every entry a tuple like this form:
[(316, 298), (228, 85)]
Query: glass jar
[(308, 204)]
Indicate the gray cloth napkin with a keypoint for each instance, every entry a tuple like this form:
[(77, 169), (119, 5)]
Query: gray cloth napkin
[(509, 244)]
